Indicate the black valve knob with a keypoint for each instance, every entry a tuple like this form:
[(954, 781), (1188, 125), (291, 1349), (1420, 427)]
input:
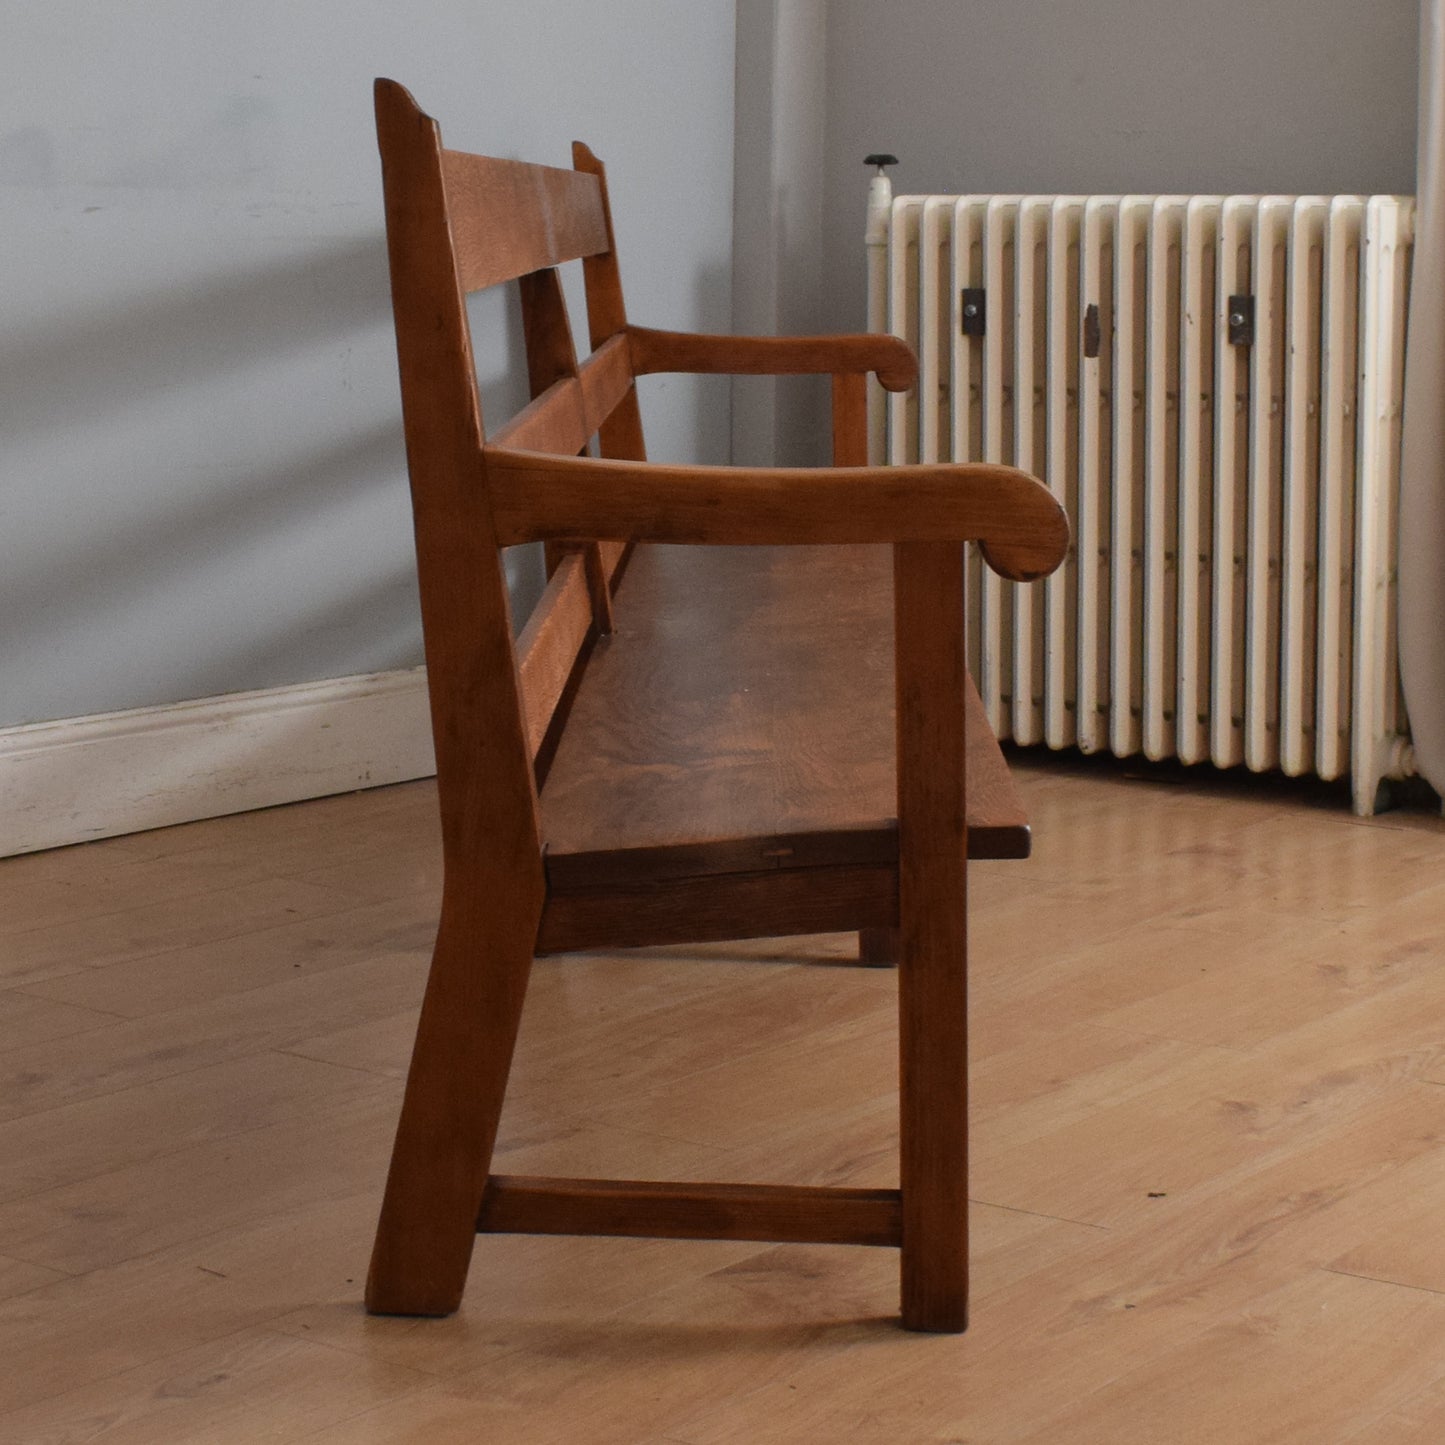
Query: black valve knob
[(880, 161)]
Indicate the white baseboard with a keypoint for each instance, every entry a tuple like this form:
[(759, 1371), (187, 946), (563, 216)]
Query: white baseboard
[(122, 772)]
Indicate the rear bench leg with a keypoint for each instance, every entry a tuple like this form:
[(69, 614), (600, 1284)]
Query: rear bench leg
[(878, 947)]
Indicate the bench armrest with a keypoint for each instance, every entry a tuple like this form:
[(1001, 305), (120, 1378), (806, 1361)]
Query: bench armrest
[(1019, 524), (888, 356)]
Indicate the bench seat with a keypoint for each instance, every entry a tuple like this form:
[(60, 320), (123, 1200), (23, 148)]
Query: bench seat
[(740, 718)]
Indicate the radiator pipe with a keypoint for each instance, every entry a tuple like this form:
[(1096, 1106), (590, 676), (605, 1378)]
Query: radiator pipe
[(880, 206)]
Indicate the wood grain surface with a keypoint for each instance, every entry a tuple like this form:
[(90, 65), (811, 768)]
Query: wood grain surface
[(489, 813), (512, 217), (721, 906), (887, 356), (777, 1213), (742, 717), (1018, 523), (932, 678), (549, 646)]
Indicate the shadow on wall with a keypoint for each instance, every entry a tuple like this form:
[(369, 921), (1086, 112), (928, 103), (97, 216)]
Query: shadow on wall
[(194, 544), (113, 358), (207, 487), (212, 490), (688, 418), (685, 418)]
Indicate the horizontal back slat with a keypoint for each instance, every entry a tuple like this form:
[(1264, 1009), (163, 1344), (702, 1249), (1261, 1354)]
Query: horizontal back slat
[(556, 421), (510, 217), (606, 377), (550, 643), (570, 411)]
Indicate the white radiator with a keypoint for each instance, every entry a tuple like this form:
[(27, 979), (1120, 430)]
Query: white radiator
[(1212, 386)]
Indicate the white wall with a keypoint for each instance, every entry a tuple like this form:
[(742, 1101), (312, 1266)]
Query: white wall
[(203, 486)]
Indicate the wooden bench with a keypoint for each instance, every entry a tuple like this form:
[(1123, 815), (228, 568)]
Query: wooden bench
[(694, 736)]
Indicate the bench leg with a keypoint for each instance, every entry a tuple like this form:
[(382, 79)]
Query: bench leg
[(878, 947), (454, 1092), (933, 913), (934, 1133)]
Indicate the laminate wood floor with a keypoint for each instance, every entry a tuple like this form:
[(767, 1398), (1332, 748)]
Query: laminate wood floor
[(1209, 1145)]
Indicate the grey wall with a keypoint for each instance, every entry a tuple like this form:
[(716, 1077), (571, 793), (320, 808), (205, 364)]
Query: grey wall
[(778, 286), (202, 486), (1112, 95)]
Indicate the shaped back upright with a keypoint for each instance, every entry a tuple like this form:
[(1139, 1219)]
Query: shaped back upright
[(457, 223)]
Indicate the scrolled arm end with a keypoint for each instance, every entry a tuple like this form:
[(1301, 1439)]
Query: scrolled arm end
[(895, 366), (1031, 538)]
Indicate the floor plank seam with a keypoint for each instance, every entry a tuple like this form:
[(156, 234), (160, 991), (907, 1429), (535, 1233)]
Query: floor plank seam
[(505, 1146), (1039, 1214), (402, 1325), (29, 981), (148, 1362), (10, 936), (346, 904), (57, 1269), (1380, 1279), (428, 1376), (107, 1020), (304, 971), (424, 1376), (351, 1420), (61, 1275), (107, 1017), (78, 1099), (144, 1162), (1202, 1044), (395, 1076)]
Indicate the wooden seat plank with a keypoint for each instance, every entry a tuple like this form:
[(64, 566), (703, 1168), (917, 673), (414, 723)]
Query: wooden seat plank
[(741, 718)]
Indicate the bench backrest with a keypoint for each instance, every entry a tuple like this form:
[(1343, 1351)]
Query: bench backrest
[(458, 223)]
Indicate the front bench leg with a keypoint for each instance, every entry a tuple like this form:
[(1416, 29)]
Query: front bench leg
[(932, 675), (454, 1093)]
